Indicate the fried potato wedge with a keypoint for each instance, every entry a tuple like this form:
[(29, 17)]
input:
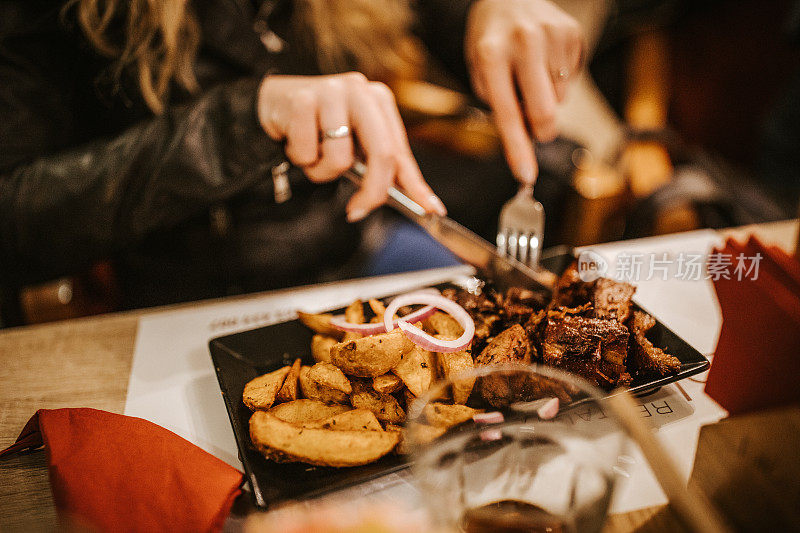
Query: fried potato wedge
[(417, 369), (285, 442), (387, 383), (321, 323), (401, 447), (302, 412), (313, 390), (351, 336), (354, 313), (420, 434), (354, 420), (260, 393), (288, 390), (444, 324), (328, 375), (385, 406), (371, 356), (321, 347), (377, 307), (446, 415), (454, 363)]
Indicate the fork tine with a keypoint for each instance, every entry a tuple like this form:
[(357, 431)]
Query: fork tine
[(520, 227), (502, 241), (523, 247), (534, 247), (512, 243)]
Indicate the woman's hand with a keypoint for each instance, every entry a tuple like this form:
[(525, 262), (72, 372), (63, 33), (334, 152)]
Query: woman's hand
[(522, 50), (301, 109)]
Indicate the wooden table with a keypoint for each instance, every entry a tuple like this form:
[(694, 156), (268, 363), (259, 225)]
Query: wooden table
[(86, 363)]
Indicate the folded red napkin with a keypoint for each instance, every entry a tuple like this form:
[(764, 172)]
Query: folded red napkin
[(111, 472), (757, 361)]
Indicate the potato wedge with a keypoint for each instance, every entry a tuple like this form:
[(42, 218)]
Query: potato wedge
[(356, 419), (444, 324), (371, 356), (446, 415), (328, 375), (354, 313), (260, 393), (285, 442), (288, 390), (401, 447), (454, 363), (387, 383), (321, 347), (420, 434), (377, 307), (321, 323), (385, 406), (305, 411), (315, 391), (417, 369)]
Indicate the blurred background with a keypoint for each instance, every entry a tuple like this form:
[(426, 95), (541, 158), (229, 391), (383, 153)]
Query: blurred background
[(687, 117)]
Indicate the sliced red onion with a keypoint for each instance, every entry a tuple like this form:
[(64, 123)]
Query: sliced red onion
[(495, 417), (549, 409), (421, 338), (339, 322)]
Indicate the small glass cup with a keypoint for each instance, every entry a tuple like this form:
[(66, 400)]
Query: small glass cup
[(539, 456)]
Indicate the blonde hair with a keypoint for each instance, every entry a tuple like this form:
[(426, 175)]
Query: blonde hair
[(160, 41), (371, 36), (161, 38)]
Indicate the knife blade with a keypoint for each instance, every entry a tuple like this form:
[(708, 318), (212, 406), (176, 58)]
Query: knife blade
[(504, 271)]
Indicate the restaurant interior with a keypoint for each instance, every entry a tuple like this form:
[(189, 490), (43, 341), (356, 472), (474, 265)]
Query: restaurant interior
[(189, 304)]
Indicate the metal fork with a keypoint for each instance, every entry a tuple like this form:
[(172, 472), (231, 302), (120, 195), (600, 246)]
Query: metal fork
[(521, 227)]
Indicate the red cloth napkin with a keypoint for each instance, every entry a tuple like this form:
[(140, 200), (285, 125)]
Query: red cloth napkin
[(757, 361), (118, 473)]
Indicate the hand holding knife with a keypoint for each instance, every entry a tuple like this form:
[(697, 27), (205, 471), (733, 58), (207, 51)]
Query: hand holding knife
[(462, 242)]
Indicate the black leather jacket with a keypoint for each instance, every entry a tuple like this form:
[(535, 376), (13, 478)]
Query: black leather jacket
[(182, 203)]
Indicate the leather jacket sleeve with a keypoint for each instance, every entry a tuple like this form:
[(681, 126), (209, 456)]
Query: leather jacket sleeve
[(62, 208)]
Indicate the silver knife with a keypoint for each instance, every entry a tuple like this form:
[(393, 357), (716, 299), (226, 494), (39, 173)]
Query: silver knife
[(463, 243)]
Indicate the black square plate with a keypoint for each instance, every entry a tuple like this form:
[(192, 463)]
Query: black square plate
[(240, 357)]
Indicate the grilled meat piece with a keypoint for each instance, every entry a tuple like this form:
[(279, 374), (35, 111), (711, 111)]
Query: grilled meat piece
[(591, 347), (536, 323), (612, 299), (609, 298), (518, 304), (510, 346), (484, 329), (484, 302), (642, 354), (571, 290)]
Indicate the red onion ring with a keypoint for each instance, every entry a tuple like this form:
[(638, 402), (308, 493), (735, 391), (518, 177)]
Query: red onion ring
[(494, 417), (549, 409), (339, 322), (421, 338)]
